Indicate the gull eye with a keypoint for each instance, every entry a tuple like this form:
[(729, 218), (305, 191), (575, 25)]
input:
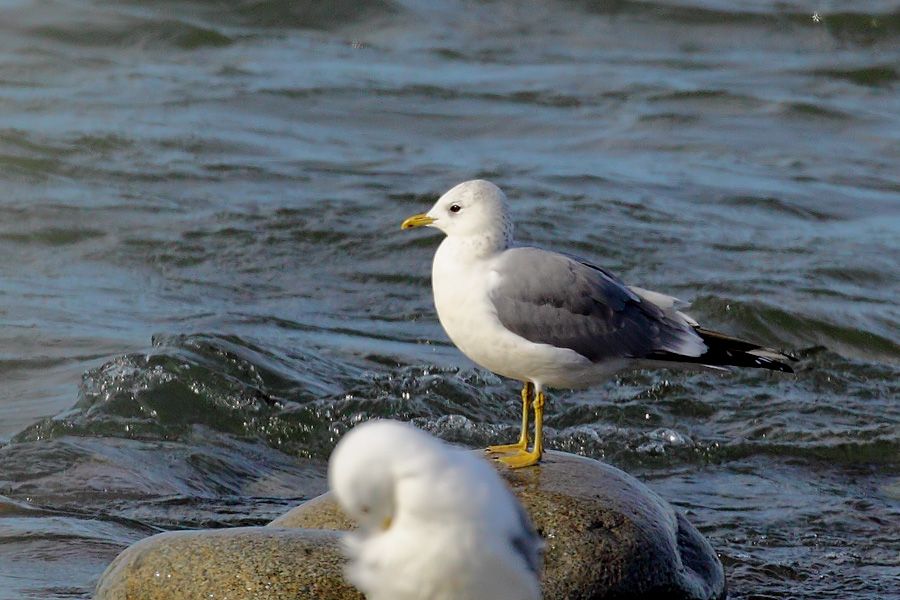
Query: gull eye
[(455, 208)]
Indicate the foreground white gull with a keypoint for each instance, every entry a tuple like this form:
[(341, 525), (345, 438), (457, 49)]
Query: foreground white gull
[(436, 522), (554, 320)]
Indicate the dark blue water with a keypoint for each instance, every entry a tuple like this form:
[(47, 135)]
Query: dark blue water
[(203, 283)]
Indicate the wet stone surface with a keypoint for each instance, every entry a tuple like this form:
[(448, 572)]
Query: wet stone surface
[(607, 535)]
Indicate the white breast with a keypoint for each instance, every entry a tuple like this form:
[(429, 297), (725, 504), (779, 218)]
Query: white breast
[(461, 299), (462, 285)]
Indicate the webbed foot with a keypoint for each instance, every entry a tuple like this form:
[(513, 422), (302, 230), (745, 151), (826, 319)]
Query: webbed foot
[(521, 459), (518, 447)]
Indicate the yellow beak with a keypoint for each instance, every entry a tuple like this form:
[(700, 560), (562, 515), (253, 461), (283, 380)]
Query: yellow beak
[(417, 221)]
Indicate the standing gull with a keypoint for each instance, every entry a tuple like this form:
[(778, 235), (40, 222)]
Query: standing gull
[(554, 320), (436, 522)]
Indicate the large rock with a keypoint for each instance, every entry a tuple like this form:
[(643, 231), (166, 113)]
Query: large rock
[(608, 536), (243, 563)]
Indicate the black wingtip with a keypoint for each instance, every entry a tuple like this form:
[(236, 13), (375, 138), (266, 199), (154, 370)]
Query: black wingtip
[(770, 363), (726, 351)]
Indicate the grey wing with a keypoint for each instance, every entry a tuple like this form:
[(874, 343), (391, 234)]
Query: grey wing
[(565, 302)]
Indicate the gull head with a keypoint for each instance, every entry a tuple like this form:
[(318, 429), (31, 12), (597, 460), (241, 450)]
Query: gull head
[(474, 208), (432, 517), (361, 471)]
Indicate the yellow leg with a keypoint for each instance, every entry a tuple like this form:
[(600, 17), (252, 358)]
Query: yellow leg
[(526, 458), (522, 444)]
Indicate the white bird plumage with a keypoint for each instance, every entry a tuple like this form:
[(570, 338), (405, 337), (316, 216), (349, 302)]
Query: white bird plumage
[(436, 522), (551, 319)]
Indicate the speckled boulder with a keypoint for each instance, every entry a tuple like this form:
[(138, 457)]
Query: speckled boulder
[(244, 563), (608, 536)]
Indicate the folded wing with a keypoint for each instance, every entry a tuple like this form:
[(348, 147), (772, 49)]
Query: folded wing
[(559, 300), (566, 302)]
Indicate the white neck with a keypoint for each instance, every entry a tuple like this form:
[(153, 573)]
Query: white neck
[(474, 247)]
